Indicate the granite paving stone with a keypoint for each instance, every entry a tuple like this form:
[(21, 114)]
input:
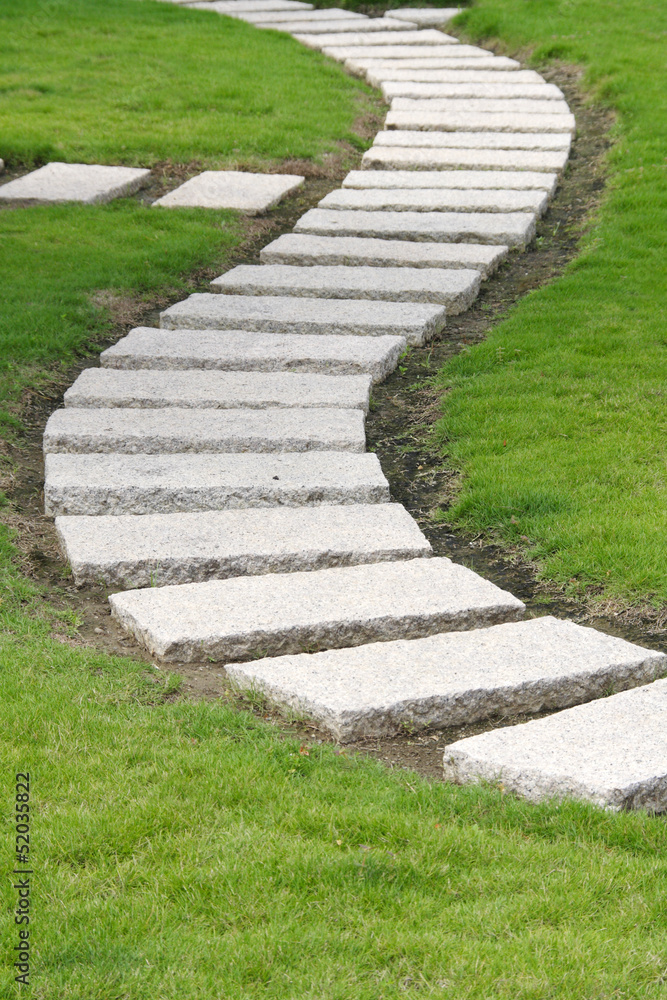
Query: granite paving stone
[(379, 71), (235, 619), (450, 679), (425, 16), (612, 752), (418, 90), (435, 200), (415, 139), (352, 32), (480, 121), (397, 38), (456, 290), (444, 52), (305, 250), (397, 158), (325, 29), (285, 314), (157, 550), (233, 189), (518, 180), (83, 182), (225, 6), (161, 484), (482, 105), (290, 16)]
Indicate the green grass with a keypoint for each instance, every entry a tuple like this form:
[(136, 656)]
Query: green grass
[(559, 420)]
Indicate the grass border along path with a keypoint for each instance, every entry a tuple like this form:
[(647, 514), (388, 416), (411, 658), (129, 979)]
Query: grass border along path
[(558, 421)]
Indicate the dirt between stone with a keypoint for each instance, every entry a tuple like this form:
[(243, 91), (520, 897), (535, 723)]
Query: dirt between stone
[(398, 430)]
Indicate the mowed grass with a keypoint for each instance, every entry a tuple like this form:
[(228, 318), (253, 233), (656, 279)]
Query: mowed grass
[(559, 420)]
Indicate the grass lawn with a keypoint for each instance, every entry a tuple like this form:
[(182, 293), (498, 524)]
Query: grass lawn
[(559, 420)]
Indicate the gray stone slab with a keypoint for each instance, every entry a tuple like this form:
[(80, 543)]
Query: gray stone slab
[(416, 89), (512, 229), (353, 32), (225, 6), (366, 65), (519, 180), (305, 250), (278, 314), (163, 484), (435, 200), (112, 387), (83, 182), (465, 106), (612, 752), (450, 679), (480, 121), (333, 29), (425, 39), (157, 550), (174, 429), (295, 16), (397, 158), (456, 290), (419, 47), (244, 192), (381, 71), (285, 613), (414, 139), (223, 350), (425, 16)]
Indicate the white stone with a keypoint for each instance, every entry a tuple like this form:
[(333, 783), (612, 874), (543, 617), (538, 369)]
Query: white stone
[(428, 38), (512, 229), (380, 30), (435, 200), (425, 16), (443, 52), (414, 139), (306, 250), (163, 484), (481, 121), (327, 29), (465, 106), (232, 189), (229, 350), (225, 6), (456, 290), (290, 16), (451, 679), (519, 180), (111, 387), (157, 550), (284, 314), (174, 429), (84, 182), (378, 71), (612, 752), (396, 158), (285, 613), (416, 89)]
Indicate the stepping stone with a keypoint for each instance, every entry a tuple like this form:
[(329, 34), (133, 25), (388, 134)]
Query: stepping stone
[(612, 752), (520, 180), (278, 314), (111, 387), (465, 106), (333, 29), (156, 431), (400, 70), (425, 16), (156, 550), (435, 200), (331, 250), (442, 49), (428, 39), (450, 679), (289, 16), (287, 613), (456, 290), (83, 182), (512, 229), (413, 139), (396, 158), (163, 484), (355, 33), (248, 193), (269, 352), (225, 6), (416, 89), (480, 121)]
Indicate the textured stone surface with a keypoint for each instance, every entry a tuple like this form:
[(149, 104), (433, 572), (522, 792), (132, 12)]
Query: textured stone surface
[(291, 16), (224, 6), (414, 139), (162, 484), (519, 180), (425, 16), (251, 616), (157, 431), (465, 106), (506, 229), (88, 183), (278, 314), (396, 158), (248, 193), (223, 350), (435, 200), (428, 39), (458, 57), (380, 71), (336, 29), (612, 752), (451, 679), (112, 387), (330, 250), (480, 121), (541, 92), (155, 550), (456, 290)]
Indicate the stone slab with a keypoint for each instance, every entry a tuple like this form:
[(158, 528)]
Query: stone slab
[(158, 550), (163, 484), (306, 250), (480, 121), (284, 314), (174, 429), (451, 679), (397, 158), (519, 180), (435, 200), (145, 388), (444, 54), (425, 39), (456, 290), (292, 16), (414, 139), (230, 350), (285, 613), (374, 31), (425, 16), (464, 106), (416, 90), (82, 182), (379, 71), (232, 189), (225, 6), (612, 752), (512, 229), (334, 29)]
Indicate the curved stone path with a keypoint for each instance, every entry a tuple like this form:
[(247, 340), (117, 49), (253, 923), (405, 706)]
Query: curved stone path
[(214, 468)]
